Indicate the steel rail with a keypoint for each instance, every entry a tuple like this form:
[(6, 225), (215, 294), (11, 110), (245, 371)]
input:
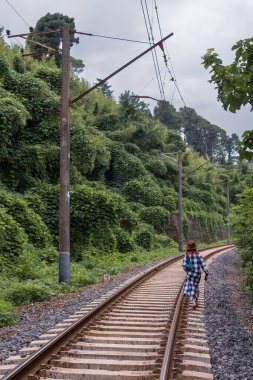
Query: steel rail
[(30, 366), (167, 366)]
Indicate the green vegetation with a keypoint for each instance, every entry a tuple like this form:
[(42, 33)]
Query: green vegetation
[(243, 228), (7, 314), (234, 85), (123, 177)]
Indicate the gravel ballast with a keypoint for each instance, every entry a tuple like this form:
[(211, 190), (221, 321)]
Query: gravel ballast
[(229, 320)]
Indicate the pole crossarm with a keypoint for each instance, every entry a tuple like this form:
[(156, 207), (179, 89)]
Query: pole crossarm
[(40, 44), (40, 53), (35, 33), (148, 97), (120, 69)]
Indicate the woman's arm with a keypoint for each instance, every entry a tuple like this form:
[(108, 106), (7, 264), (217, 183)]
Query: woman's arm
[(203, 264)]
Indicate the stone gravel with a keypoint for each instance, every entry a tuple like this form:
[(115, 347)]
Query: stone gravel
[(229, 320)]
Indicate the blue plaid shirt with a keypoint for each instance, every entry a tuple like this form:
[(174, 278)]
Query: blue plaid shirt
[(197, 261)]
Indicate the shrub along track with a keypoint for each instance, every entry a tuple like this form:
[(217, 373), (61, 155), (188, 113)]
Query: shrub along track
[(130, 335)]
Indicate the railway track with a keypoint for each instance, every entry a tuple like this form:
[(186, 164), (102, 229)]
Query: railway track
[(144, 330)]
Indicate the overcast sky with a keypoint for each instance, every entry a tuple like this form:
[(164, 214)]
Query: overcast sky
[(197, 25)]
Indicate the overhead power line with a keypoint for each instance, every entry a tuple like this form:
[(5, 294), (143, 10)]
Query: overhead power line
[(112, 38), (158, 77), (173, 77), (22, 18), (151, 80), (153, 40), (161, 34)]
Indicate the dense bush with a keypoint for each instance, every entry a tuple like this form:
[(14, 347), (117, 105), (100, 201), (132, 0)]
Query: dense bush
[(144, 237), (52, 76), (170, 198), (12, 239), (125, 242), (90, 152), (165, 241), (107, 122), (19, 65), (30, 89), (156, 167), (149, 137), (13, 117), (242, 222), (35, 228), (131, 148), (157, 216), (124, 166), (144, 191), (8, 316), (27, 292)]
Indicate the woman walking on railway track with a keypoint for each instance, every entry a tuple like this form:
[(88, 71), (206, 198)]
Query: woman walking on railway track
[(193, 262)]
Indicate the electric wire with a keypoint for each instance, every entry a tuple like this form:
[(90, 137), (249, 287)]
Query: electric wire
[(22, 18), (173, 77), (146, 85), (15, 37), (187, 174), (164, 77), (155, 54), (161, 34), (112, 38), (173, 93), (156, 70)]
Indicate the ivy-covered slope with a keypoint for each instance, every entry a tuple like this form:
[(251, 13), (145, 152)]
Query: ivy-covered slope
[(123, 168)]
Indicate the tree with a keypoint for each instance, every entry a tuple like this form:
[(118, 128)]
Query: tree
[(167, 114), (52, 22), (77, 65), (106, 89), (232, 146), (207, 139), (131, 108), (246, 145), (234, 84)]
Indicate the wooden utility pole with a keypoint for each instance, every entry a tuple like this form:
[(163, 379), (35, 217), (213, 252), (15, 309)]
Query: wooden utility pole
[(64, 221), (180, 203), (228, 213)]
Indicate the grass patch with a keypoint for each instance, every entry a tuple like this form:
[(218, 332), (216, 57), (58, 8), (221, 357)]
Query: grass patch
[(27, 292), (8, 316)]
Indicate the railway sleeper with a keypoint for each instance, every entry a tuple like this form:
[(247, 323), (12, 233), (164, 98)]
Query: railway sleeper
[(91, 374), (104, 364), (122, 355)]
